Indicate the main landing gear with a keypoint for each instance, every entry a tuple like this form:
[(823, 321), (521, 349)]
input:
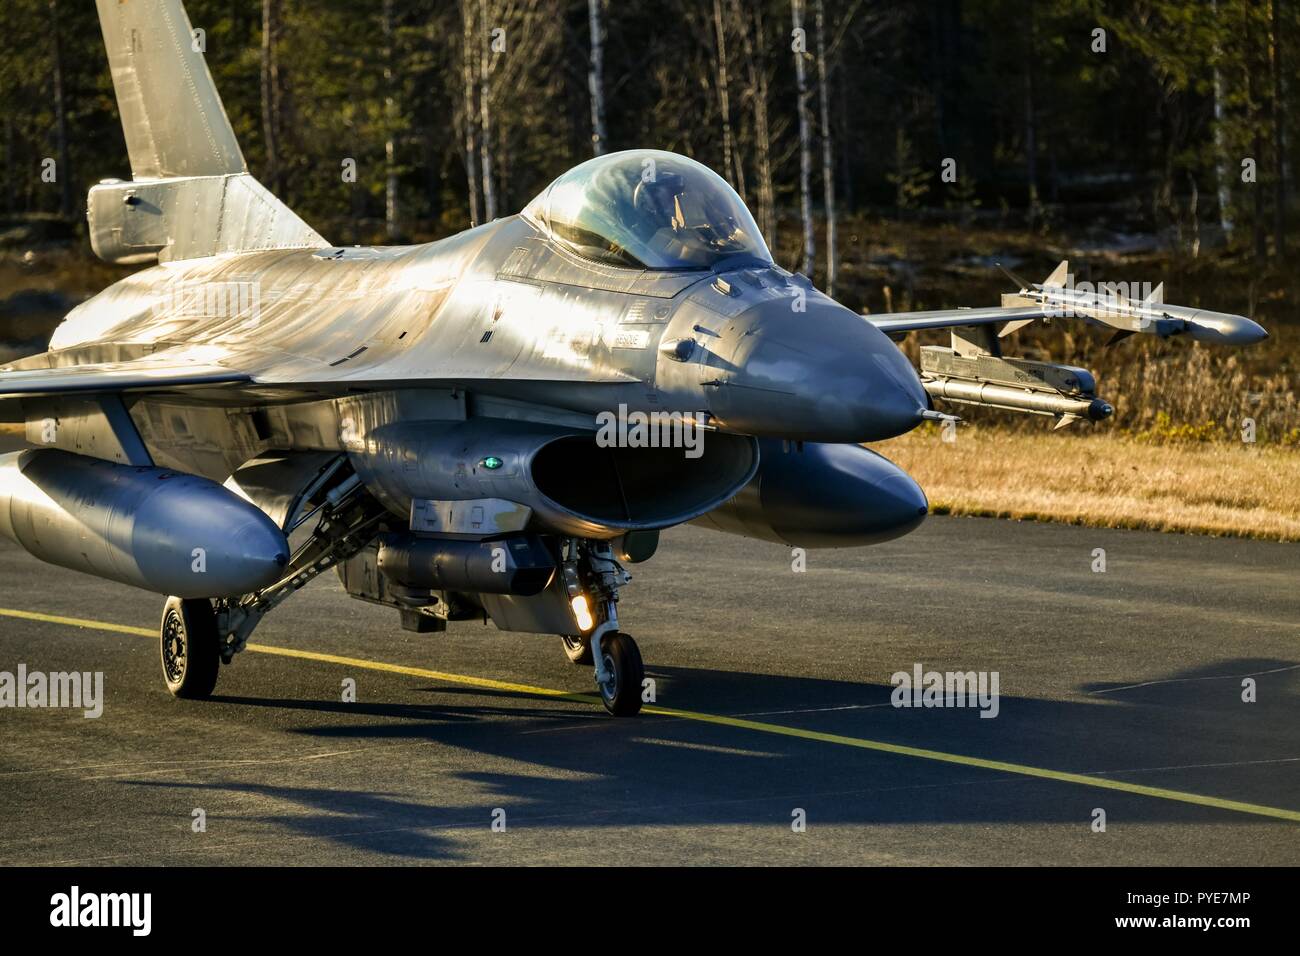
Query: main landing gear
[(197, 634)]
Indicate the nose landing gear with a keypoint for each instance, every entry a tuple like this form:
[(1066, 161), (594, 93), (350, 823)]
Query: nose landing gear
[(592, 574)]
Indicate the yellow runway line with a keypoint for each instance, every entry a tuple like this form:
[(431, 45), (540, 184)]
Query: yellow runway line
[(861, 743)]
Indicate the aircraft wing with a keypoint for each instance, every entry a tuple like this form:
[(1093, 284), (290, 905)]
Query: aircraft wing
[(115, 377), (973, 371), (951, 318)]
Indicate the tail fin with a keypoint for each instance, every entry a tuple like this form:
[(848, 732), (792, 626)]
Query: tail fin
[(172, 115), (192, 195)]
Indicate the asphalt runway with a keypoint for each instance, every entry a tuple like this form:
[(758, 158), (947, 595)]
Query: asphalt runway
[(1120, 691)]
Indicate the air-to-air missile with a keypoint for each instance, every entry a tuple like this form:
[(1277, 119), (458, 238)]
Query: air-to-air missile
[(1109, 305)]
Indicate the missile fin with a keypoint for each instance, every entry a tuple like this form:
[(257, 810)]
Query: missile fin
[(1059, 274), (1013, 326)]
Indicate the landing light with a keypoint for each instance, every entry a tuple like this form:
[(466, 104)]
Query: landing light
[(582, 612)]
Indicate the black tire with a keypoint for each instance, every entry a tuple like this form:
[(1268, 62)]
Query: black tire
[(189, 647), (623, 661), (577, 649)]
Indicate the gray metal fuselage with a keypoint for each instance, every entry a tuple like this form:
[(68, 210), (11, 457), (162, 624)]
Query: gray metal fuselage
[(500, 320)]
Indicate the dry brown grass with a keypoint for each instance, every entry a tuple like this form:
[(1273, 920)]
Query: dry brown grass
[(1107, 481)]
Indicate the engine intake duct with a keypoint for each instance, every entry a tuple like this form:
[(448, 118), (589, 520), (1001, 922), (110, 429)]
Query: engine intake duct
[(520, 564), (1014, 384)]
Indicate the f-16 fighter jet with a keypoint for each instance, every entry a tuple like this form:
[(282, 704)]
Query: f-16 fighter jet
[(494, 425)]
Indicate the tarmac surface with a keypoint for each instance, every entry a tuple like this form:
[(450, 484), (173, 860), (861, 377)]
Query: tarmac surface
[(1120, 691)]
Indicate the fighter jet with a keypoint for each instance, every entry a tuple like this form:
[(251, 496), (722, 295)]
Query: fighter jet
[(493, 426)]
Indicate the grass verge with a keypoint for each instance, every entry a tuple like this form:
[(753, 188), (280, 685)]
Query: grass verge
[(1108, 481)]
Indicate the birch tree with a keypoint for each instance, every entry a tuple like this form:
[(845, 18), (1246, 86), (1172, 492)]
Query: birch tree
[(730, 165), (271, 95), (596, 77), (469, 111), (390, 133), (60, 115), (756, 91), (485, 112), (799, 46), (828, 163)]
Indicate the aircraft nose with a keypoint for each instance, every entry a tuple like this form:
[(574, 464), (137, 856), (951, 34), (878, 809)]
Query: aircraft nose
[(826, 374)]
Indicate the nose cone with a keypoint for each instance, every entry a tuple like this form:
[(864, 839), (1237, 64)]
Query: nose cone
[(825, 374), (836, 496), (1220, 328)]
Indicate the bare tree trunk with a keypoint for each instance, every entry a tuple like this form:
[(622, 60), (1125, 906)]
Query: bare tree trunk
[(805, 139), (729, 162), (10, 193), (60, 118), (757, 81), (1031, 144), (390, 122), (271, 93), (468, 57), (485, 115), (596, 77), (828, 160), (1279, 137), (1222, 175), (1256, 119)]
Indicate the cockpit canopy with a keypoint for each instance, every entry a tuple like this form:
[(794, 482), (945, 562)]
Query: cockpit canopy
[(648, 209)]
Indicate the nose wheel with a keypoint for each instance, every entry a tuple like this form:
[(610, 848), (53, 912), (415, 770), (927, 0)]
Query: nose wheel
[(620, 674), (190, 647)]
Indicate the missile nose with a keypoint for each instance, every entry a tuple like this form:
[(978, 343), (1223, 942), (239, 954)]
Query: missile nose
[(1220, 328), (1254, 332)]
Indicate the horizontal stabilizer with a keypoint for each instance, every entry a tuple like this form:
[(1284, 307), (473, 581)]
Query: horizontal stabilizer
[(191, 218)]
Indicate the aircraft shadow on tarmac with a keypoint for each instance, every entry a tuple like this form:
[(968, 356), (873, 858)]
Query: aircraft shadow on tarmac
[(1188, 731)]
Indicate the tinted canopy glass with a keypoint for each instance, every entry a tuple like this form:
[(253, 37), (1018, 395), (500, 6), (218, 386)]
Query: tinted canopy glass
[(648, 209)]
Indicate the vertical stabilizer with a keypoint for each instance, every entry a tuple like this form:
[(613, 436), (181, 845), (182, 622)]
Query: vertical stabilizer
[(192, 195), (172, 115)]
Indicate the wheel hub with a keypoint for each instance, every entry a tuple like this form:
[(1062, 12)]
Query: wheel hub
[(173, 650), (609, 687)]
